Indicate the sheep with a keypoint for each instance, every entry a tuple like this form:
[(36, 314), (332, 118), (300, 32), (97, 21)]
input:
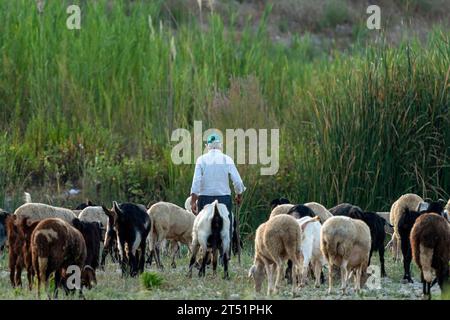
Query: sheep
[(281, 209), (408, 201), (40, 211), (343, 209), (130, 224), (319, 210), (345, 243), (430, 242), (404, 227), (211, 233), (376, 225), (277, 240), (171, 222), (277, 202), (310, 248), (56, 245)]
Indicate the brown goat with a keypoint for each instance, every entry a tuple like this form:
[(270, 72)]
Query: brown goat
[(15, 258), (19, 236), (56, 245), (430, 243), (26, 228)]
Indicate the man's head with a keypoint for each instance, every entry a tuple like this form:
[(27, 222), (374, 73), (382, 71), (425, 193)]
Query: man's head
[(213, 142)]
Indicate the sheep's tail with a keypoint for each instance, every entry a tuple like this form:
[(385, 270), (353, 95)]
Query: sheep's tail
[(426, 257), (27, 197), (334, 248)]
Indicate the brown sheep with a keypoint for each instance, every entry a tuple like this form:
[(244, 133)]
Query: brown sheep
[(430, 243), (276, 241), (56, 245)]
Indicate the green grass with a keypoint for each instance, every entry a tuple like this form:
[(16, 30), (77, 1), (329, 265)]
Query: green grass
[(151, 280), (94, 108), (176, 285)]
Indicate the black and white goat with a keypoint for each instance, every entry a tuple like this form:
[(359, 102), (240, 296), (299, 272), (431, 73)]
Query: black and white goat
[(131, 225), (211, 233)]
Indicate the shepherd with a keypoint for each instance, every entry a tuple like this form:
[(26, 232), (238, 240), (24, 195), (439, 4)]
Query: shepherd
[(211, 180)]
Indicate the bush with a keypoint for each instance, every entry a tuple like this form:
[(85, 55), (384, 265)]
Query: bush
[(151, 280)]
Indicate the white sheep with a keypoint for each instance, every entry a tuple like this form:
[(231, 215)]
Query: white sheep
[(281, 209), (40, 211), (169, 222), (319, 210), (276, 241), (210, 233), (345, 243), (310, 248), (408, 201)]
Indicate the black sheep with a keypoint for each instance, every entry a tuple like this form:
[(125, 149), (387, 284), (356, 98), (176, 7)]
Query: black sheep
[(277, 202)]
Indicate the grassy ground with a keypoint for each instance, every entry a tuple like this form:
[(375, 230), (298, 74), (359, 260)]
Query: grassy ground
[(177, 286)]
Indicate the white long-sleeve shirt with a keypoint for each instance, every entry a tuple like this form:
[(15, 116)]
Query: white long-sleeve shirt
[(212, 172)]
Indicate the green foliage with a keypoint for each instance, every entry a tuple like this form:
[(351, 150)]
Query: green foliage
[(335, 12), (151, 280)]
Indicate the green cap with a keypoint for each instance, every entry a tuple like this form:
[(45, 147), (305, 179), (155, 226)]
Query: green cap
[(213, 138)]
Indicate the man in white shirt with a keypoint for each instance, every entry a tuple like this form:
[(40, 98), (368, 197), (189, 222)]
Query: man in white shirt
[(211, 178)]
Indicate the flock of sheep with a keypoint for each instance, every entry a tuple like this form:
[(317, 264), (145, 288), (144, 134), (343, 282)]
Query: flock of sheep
[(297, 242)]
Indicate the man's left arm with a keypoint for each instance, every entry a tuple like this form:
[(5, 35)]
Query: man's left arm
[(239, 187)]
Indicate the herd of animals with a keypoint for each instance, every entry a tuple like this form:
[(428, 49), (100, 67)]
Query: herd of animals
[(296, 243)]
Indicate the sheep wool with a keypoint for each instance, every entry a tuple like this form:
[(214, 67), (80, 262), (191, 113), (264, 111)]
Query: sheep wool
[(40, 211), (345, 243), (310, 248), (408, 201), (276, 241), (169, 222)]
